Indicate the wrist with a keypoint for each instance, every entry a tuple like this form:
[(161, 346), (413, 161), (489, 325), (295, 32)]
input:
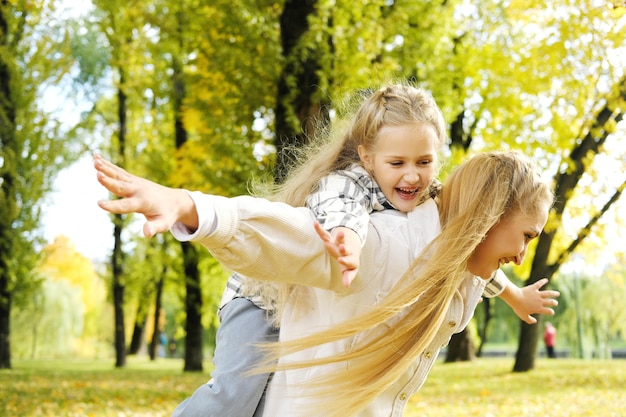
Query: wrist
[(186, 211)]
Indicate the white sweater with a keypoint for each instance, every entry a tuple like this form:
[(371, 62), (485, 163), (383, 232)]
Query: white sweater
[(273, 241)]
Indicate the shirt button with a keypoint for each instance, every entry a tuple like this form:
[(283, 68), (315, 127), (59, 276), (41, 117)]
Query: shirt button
[(452, 324), (427, 355), (403, 396)]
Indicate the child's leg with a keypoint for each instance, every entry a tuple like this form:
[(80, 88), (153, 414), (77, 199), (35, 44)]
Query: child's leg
[(230, 392)]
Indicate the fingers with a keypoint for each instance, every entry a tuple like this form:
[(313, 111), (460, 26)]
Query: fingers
[(323, 234), (348, 276), (149, 230), (106, 168), (115, 179), (121, 206)]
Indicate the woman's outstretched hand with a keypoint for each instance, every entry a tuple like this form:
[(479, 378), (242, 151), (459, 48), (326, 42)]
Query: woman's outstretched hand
[(161, 206), (531, 299)]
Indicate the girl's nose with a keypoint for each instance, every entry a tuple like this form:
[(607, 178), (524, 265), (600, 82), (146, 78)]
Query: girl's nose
[(412, 176)]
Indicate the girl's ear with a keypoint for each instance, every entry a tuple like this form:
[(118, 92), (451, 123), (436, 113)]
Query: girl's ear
[(365, 156)]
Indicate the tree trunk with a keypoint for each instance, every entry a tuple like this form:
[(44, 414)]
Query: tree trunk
[(297, 110), (5, 321), (157, 315), (193, 298), (483, 332), (117, 260), (118, 295), (141, 318), (7, 190), (527, 349), (193, 308), (138, 330), (461, 348)]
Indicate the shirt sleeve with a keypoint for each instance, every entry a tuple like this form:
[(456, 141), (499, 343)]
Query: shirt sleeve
[(342, 200), (262, 239), (496, 285)]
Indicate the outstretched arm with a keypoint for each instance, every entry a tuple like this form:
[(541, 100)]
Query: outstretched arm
[(252, 236), (530, 299), (161, 206)]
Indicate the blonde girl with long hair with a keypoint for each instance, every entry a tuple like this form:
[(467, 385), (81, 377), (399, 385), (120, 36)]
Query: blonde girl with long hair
[(369, 346)]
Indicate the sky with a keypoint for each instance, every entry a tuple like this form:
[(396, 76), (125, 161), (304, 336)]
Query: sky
[(73, 211)]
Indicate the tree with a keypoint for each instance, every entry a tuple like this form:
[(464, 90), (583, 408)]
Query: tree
[(62, 317), (217, 90), (32, 150), (299, 103), (126, 37), (514, 93), (588, 145)]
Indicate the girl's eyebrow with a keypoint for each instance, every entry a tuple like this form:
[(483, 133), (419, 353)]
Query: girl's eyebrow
[(426, 155)]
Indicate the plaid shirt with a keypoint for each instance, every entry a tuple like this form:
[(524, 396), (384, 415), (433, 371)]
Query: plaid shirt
[(234, 289), (346, 198), (343, 198)]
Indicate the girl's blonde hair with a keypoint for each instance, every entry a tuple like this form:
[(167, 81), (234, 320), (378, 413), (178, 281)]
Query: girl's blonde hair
[(475, 197), (336, 149)]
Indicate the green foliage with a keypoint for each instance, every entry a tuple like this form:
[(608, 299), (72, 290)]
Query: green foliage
[(592, 309), (524, 75), (51, 325), (34, 60), (64, 316)]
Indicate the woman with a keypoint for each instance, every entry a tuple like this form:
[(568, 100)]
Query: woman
[(369, 346)]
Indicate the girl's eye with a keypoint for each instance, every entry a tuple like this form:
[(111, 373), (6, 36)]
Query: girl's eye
[(396, 163), (426, 162)]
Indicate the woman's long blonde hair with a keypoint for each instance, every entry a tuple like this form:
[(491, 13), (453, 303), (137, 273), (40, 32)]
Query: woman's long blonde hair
[(475, 197)]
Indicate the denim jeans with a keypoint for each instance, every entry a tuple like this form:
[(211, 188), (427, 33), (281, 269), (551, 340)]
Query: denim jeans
[(231, 393)]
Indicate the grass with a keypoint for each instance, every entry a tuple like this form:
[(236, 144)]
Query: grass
[(555, 388), (96, 389), (485, 387)]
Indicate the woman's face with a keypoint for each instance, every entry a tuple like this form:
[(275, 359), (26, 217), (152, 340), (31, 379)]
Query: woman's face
[(507, 242)]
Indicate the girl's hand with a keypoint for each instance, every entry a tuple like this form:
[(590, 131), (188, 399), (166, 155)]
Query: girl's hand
[(345, 246)]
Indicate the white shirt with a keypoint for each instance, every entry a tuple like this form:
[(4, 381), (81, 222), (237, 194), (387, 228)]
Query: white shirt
[(274, 241)]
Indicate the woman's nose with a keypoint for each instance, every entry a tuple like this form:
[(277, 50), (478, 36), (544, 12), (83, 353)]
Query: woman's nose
[(520, 257)]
